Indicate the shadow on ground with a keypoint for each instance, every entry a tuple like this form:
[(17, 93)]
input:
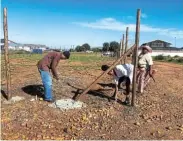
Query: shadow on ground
[(4, 94), (98, 93), (34, 90), (107, 85)]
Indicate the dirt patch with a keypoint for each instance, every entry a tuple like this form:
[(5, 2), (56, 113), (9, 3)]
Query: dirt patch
[(157, 115)]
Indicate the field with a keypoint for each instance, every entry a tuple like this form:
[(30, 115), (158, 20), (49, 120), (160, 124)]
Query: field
[(157, 115)]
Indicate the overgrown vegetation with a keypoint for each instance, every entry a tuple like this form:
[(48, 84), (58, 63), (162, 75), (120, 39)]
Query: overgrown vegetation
[(175, 59)]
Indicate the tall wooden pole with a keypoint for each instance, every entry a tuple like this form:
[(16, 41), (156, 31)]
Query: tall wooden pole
[(6, 57), (126, 42), (136, 56), (122, 47)]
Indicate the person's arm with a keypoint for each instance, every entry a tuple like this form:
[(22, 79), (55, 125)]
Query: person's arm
[(150, 71), (150, 63), (116, 88), (53, 68), (116, 92)]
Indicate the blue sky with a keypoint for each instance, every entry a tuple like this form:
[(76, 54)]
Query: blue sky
[(74, 22)]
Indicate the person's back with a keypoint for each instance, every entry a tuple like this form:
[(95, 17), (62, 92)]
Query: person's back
[(121, 73), (47, 60), (124, 70)]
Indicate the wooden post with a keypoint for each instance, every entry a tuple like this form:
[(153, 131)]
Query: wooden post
[(135, 57), (126, 43), (6, 57), (105, 72), (122, 47)]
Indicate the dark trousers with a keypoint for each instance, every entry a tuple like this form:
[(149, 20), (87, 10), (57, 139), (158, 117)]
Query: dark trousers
[(126, 80)]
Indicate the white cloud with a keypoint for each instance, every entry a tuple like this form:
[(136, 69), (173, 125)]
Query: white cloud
[(143, 15), (113, 24)]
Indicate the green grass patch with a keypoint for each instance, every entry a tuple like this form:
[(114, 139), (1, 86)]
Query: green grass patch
[(176, 59), (84, 57)]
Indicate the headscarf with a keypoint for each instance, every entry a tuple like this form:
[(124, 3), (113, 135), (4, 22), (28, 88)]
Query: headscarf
[(148, 48)]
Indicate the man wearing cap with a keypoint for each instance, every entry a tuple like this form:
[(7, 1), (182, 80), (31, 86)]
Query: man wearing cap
[(145, 63), (47, 63)]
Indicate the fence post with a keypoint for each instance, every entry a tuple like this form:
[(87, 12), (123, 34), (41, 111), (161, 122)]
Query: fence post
[(126, 43), (6, 55), (122, 48), (135, 57)]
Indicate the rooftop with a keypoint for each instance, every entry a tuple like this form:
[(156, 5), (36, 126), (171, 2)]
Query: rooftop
[(159, 41)]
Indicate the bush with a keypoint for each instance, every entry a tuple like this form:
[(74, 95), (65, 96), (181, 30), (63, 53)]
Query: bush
[(170, 59), (176, 56), (19, 52), (160, 57), (180, 60)]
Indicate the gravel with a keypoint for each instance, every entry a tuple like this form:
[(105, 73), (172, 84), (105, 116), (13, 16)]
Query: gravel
[(66, 104)]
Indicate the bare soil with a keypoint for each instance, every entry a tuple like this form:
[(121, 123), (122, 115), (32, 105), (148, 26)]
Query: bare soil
[(158, 113)]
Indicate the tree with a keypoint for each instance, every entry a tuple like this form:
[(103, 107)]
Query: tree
[(80, 48), (71, 50), (114, 46), (105, 46), (86, 46), (96, 49)]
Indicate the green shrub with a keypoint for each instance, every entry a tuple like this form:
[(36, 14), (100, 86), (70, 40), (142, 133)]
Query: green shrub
[(160, 57), (176, 56), (170, 59), (19, 52), (180, 60)]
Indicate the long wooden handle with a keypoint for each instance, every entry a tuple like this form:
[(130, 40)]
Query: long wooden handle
[(105, 72)]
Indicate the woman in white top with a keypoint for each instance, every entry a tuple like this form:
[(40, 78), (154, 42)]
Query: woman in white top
[(145, 63), (122, 74)]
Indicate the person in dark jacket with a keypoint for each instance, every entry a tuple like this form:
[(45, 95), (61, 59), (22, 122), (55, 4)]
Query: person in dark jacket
[(45, 65)]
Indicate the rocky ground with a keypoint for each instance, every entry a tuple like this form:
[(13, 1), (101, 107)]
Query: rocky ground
[(158, 113)]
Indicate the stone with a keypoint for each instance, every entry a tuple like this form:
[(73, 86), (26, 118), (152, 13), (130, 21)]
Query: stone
[(149, 120), (137, 123), (14, 99), (23, 124), (180, 128), (168, 128), (32, 100), (39, 136), (41, 99)]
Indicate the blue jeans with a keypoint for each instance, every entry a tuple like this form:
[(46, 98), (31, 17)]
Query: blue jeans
[(47, 83)]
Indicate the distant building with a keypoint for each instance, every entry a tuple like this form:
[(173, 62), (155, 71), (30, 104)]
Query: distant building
[(27, 47), (162, 45)]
